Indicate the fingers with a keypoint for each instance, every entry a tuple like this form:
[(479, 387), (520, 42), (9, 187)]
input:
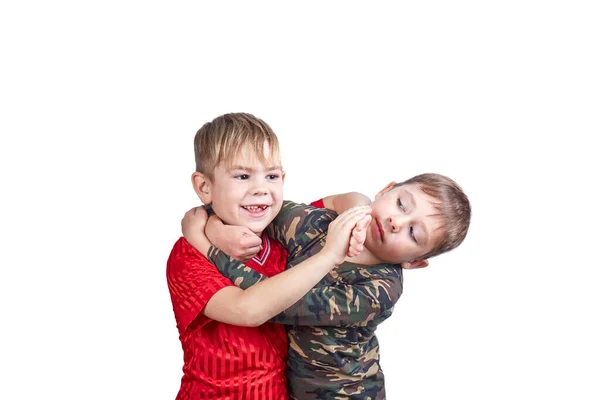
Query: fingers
[(355, 248), (359, 235), (339, 235), (195, 212), (359, 232), (249, 253), (246, 254), (250, 240), (252, 251), (363, 223), (195, 218), (189, 213), (200, 212), (352, 216)]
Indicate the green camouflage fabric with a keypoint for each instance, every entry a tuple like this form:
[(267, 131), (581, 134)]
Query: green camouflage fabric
[(333, 353)]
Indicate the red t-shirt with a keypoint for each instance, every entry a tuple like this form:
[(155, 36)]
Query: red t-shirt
[(223, 361), (318, 203)]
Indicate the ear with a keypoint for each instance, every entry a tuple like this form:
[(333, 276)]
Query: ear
[(415, 264), (385, 189), (282, 176), (202, 187)]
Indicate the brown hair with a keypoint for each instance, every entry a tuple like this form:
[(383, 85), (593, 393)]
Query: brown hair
[(454, 208), (222, 139)]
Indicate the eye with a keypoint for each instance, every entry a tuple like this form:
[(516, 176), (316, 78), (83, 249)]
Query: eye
[(412, 235), (242, 177), (401, 205), (272, 177)]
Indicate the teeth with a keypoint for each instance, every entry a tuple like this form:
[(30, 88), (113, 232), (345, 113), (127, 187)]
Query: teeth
[(254, 208)]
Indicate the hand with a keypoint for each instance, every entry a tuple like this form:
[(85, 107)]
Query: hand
[(192, 227), (238, 242), (359, 235), (339, 234)]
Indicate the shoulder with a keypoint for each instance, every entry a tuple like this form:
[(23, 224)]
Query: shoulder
[(184, 257), (318, 204), (183, 250), (300, 209)]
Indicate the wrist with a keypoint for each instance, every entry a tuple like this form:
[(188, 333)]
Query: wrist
[(328, 260), (211, 230)]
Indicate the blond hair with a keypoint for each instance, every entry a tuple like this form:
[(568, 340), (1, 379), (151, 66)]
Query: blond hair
[(222, 139), (453, 206)]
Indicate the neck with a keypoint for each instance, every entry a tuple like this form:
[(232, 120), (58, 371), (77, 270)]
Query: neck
[(364, 258)]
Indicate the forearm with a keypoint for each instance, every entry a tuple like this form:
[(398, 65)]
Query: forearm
[(343, 304), (324, 306), (263, 297), (332, 302), (200, 243)]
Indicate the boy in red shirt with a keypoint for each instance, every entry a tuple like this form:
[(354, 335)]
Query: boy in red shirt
[(229, 350)]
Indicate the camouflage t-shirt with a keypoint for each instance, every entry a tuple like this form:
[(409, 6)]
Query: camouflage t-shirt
[(334, 353)]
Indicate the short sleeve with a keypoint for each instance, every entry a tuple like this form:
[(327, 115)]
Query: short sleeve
[(318, 204), (192, 281)]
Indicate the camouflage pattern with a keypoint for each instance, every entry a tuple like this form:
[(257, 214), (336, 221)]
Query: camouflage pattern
[(333, 353)]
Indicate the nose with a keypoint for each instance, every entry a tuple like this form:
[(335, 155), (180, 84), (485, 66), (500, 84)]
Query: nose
[(396, 222), (259, 191)]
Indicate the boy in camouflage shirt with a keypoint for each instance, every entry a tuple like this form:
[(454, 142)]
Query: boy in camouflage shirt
[(333, 350)]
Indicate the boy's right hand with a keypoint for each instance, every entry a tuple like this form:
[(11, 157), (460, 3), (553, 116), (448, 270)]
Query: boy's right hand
[(340, 230), (238, 242)]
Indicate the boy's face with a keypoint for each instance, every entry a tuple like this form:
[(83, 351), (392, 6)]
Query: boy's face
[(405, 225), (249, 193)]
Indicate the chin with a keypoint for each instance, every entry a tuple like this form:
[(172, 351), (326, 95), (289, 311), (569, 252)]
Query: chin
[(258, 228), (257, 225)]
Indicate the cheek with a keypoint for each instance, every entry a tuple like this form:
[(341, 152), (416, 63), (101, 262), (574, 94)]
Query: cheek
[(397, 251), (401, 248), (232, 192), (277, 193)]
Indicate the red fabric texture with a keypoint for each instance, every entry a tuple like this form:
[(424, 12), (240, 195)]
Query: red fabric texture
[(224, 361), (318, 203)]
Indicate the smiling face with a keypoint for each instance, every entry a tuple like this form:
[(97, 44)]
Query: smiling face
[(246, 191), (405, 224)]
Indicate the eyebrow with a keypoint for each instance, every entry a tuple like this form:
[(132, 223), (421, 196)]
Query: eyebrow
[(248, 169)]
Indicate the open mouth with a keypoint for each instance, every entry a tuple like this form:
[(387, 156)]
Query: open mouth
[(255, 208)]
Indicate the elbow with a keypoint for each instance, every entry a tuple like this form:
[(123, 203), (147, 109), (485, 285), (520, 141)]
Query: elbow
[(254, 320), (254, 323), (257, 318), (251, 316), (388, 304)]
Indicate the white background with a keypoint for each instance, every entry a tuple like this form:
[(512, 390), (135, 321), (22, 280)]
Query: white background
[(100, 102)]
